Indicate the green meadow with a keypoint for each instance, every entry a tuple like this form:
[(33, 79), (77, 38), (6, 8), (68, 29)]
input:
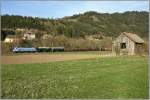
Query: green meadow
[(99, 78)]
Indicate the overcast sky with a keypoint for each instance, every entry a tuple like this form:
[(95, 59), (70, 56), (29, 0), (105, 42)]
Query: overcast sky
[(59, 9)]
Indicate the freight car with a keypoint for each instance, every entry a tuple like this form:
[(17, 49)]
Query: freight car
[(54, 49), (50, 49), (43, 49)]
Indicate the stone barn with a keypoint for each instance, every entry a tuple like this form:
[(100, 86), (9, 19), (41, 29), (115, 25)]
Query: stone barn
[(128, 44)]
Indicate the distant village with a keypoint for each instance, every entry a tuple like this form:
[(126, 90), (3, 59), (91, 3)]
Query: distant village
[(27, 35), (30, 34)]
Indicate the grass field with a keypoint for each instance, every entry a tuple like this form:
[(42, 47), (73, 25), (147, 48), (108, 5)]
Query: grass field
[(111, 77)]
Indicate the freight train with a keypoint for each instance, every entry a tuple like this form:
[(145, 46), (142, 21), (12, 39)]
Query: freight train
[(38, 49)]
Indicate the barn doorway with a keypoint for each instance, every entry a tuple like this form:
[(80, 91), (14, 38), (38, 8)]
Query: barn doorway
[(139, 48), (122, 45)]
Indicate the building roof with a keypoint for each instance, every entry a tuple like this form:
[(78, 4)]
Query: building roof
[(134, 37)]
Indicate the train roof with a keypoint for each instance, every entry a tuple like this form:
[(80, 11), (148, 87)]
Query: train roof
[(57, 47)]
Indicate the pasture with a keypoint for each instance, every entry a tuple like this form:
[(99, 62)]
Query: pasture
[(108, 77)]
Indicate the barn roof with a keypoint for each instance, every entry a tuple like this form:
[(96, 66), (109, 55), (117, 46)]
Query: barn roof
[(134, 37)]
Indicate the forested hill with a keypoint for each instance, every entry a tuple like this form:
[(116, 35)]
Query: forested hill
[(83, 24)]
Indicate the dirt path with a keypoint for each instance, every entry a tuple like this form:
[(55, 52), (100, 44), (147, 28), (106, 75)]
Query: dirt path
[(42, 58)]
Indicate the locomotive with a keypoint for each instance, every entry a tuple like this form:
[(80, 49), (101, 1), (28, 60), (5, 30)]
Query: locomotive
[(38, 49)]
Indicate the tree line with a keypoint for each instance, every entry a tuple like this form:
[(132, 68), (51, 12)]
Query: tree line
[(79, 25)]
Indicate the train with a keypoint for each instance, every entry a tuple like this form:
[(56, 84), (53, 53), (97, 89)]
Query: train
[(37, 49)]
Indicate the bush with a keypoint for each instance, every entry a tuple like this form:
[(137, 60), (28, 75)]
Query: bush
[(6, 48)]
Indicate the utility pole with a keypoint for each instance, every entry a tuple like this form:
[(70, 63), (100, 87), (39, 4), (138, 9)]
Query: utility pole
[(52, 47)]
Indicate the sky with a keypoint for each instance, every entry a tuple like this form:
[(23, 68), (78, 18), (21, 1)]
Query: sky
[(59, 9)]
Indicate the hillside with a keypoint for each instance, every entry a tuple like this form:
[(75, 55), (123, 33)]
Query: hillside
[(83, 24)]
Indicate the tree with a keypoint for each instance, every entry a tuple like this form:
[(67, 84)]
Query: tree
[(3, 36)]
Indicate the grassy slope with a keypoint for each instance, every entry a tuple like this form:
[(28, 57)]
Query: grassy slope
[(124, 77)]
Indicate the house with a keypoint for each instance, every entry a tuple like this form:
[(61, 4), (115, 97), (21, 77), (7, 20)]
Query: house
[(7, 33), (29, 36), (20, 29), (128, 44), (46, 36), (9, 39)]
